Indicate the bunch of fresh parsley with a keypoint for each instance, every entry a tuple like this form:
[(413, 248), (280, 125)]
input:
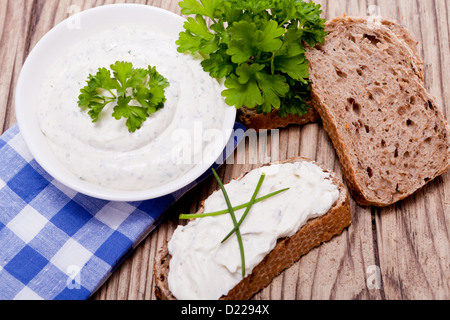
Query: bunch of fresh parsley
[(137, 93), (258, 47)]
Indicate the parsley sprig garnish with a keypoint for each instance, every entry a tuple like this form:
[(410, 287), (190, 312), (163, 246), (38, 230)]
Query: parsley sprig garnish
[(231, 210), (258, 47), (137, 92)]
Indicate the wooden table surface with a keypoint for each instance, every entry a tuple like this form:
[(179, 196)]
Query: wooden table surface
[(399, 252)]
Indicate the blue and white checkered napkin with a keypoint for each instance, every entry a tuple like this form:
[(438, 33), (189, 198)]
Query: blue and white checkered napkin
[(56, 243)]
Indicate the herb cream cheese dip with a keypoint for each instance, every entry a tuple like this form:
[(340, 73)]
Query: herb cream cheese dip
[(106, 153), (203, 268)]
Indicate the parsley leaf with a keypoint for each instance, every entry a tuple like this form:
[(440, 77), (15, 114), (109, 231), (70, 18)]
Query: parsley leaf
[(243, 88), (296, 67), (219, 64), (138, 93), (258, 47), (273, 88), (199, 39), (247, 40), (207, 8)]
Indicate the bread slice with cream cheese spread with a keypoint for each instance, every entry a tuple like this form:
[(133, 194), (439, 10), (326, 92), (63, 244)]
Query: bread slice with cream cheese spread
[(286, 251)]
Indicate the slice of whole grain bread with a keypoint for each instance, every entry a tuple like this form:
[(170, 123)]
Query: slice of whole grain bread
[(286, 252), (252, 120), (389, 133)]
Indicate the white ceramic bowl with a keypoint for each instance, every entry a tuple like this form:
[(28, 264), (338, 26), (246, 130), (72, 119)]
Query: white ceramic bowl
[(42, 57)]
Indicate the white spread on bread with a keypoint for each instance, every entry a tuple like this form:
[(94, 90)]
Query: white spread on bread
[(105, 153), (201, 268)]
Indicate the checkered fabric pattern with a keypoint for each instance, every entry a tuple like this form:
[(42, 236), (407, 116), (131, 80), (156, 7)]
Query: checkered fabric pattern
[(57, 244)]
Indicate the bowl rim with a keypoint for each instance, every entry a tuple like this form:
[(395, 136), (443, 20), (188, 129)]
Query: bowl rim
[(72, 182)]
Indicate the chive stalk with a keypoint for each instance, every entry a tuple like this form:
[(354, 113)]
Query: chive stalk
[(252, 201), (225, 211), (233, 217)]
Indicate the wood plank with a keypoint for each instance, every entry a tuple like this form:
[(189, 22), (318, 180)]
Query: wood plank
[(14, 24), (409, 263)]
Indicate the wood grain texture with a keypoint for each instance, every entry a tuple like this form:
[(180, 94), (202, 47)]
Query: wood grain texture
[(409, 242)]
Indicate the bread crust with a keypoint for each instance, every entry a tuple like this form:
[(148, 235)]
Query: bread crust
[(286, 252), (259, 121)]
